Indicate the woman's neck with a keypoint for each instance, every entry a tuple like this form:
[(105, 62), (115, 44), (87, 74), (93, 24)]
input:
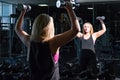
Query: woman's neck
[(87, 33), (86, 36)]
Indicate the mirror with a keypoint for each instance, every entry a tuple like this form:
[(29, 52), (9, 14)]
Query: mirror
[(107, 46)]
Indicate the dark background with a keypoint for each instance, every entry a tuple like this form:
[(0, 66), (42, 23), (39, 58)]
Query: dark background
[(107, 46)]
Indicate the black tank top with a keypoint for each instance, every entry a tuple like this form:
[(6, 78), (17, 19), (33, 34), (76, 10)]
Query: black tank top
[(41, 63), (87, 43)]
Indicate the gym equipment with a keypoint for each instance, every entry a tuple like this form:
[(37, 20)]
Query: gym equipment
[(23, 6), (60, 4), (101, 17)]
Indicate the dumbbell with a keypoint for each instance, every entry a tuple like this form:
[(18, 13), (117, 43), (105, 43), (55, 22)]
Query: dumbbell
[(60, 4), (101, 17), (23, 6)]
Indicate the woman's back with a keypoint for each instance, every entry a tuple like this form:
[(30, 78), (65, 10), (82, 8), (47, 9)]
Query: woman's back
[(41, 62)]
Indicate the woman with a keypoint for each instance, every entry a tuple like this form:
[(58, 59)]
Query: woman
[(87, 57), (43, 46)]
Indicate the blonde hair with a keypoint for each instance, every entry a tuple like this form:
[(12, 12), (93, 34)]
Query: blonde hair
[(40, 27), (91, 28)]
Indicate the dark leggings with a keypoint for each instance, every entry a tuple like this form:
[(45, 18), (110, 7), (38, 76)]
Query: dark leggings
[(88, 61)]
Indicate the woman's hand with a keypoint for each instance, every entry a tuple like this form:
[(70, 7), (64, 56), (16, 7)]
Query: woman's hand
[(68, 5)]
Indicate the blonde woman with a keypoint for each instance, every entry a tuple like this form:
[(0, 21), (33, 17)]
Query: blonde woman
[(43, 46), (87, 57)]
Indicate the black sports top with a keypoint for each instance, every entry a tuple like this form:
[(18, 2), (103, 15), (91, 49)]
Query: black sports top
[(41, 63), (87, 43)]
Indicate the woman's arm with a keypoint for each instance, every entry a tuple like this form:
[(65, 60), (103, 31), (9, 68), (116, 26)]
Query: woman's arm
[(24, 37), (67, 36), (79, 34), (102, 31)]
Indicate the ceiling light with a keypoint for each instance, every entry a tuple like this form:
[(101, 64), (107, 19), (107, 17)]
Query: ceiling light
[(42, 5), (90, 8)]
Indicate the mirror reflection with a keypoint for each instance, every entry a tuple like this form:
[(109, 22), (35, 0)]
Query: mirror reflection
[(13, 53)]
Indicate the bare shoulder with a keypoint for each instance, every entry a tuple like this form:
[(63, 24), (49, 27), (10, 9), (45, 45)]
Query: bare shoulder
[(94, 36), (53, 45), (98, 34), (53, 41), (26, 40), (79, 34)]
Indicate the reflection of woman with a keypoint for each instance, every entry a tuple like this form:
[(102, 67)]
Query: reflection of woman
[(88, 37), (43, 46)]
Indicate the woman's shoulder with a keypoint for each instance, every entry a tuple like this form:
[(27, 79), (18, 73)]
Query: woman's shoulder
[(79, 35), (38, 42)]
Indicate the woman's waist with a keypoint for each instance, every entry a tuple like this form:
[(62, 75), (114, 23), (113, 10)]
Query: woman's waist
[(88, 50)]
